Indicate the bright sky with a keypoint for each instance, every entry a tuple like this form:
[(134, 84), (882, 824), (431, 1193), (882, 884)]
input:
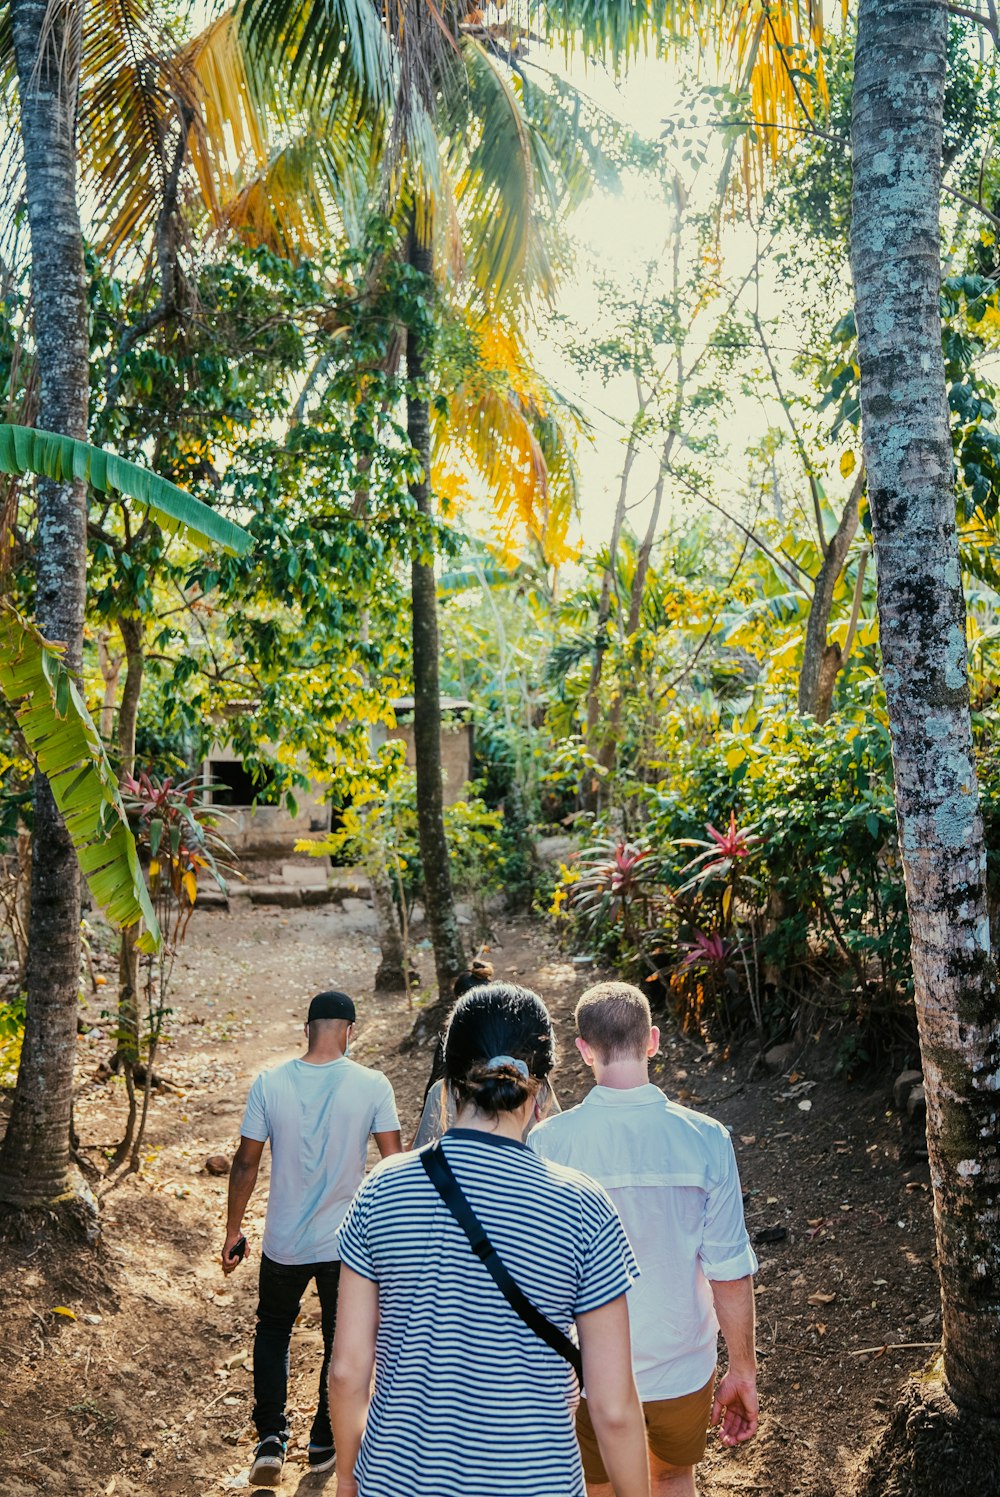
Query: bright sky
[(618, 235)]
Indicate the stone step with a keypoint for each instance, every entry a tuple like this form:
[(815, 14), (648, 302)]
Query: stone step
[(282, 895)]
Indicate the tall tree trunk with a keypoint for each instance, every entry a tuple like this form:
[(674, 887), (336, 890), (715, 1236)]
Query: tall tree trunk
[(35, 1161), (127, 1048), (449, 958), (111, 669), (392, 974), (821, 662), (897, 123)]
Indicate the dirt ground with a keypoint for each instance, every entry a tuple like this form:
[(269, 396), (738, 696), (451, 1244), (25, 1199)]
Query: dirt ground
[(124, 1368)]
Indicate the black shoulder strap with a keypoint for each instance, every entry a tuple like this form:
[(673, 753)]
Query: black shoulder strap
[(442, 1178)]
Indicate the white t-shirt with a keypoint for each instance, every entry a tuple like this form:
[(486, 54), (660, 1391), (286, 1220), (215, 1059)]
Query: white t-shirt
[(318, 1120), (672, 1175)]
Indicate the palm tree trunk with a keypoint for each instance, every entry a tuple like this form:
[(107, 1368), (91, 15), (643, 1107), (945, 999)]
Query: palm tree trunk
[(35, 1161), (898, 97), (449, 958)]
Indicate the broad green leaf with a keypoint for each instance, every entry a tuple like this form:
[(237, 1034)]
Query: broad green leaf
[(27, 450), (65, 744)]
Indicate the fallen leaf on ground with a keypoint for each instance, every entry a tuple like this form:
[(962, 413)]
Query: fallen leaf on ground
[(64, 1310), (821, 1298)]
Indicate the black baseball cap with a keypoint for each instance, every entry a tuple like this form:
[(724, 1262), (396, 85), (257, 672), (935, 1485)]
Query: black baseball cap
[(332, 1005)]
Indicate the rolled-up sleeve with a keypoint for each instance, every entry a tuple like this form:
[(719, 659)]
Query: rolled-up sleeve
[(725, 1252)]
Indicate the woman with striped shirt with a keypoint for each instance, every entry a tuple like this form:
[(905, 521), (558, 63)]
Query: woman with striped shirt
[(468, 1400)]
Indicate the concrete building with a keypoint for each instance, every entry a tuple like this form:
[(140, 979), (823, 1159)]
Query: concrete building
[(258, 830)]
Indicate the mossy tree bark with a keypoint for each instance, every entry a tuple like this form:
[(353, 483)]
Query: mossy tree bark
[(449, 958), (35, 1160), (897, 123)]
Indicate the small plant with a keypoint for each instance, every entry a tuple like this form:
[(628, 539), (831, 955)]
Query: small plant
[(616, 886), (176, 831)]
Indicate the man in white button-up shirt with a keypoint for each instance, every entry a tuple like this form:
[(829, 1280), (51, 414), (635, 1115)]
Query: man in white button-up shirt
[(672, 1174)]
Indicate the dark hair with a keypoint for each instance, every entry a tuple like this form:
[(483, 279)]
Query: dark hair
[(478, 975), (498, 1019), (614, 1019)]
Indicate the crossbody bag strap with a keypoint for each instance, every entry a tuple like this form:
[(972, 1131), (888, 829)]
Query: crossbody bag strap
[(442, 1178)]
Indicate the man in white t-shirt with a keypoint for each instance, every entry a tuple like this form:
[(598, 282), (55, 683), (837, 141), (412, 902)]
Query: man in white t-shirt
[(672, 1174), (317, 1112)]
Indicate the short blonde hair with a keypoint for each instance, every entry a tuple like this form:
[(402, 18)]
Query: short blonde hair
[(614, 1019)]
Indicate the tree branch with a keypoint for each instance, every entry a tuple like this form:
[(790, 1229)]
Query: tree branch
[(988, 22), (796, 435)]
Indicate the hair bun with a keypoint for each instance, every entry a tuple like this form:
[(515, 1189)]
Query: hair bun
[(499, 1085), (480, 968)]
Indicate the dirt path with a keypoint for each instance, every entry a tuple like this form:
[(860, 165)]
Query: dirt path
[(143, 1388)]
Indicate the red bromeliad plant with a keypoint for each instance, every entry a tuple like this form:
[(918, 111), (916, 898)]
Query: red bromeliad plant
[(707, 900), (720, 858), (617, 887), (177, 830)]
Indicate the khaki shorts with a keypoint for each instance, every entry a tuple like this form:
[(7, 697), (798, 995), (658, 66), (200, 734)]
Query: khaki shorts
[(676, 1428)]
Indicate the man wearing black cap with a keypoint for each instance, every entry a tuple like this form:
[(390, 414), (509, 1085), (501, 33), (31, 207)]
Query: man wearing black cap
[(318, 1112)]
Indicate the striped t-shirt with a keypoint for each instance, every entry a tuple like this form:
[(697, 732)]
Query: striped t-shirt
[(468, 1402)]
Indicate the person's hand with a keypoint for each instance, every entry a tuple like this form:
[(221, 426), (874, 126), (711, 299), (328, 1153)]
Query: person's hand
[(735, 1408), (346, 1486), (230, 1262)]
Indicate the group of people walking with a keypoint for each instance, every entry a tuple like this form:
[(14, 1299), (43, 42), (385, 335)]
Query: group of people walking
[(529, 1304)]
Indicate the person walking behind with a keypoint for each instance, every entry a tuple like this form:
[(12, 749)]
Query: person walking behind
[(438, 1113), (469, 1399), (672, 1175), (318, 1112)]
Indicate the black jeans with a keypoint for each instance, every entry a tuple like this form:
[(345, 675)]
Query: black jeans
[(282, 1286)]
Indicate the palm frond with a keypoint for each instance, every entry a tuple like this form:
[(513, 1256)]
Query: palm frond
[(502, 174), (516, 435), (133, 93), (26, 449), (322, 42), (67, 748), (281, 164), (770, 52)]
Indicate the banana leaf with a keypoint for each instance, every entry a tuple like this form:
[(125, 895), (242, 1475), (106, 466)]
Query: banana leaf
[(67, 748), (25, 449)]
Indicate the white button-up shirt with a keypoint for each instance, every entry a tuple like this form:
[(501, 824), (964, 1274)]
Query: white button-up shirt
[(672, 1174)]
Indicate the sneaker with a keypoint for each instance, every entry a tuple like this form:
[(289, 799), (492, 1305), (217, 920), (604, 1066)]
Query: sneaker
[(268, 1461), (321, 1457)]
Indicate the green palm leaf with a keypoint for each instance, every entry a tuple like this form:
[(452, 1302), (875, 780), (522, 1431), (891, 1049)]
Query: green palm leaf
[(67, 748), (25, 449)]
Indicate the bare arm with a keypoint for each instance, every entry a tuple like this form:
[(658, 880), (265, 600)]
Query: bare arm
[(242, 1179), (736, 1396), (351, 1371), (612, 1401), (389, 1142)]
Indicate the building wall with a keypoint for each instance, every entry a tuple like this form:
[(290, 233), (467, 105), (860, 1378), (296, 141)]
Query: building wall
[(262, 830), (456, 755), (267, 830)]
